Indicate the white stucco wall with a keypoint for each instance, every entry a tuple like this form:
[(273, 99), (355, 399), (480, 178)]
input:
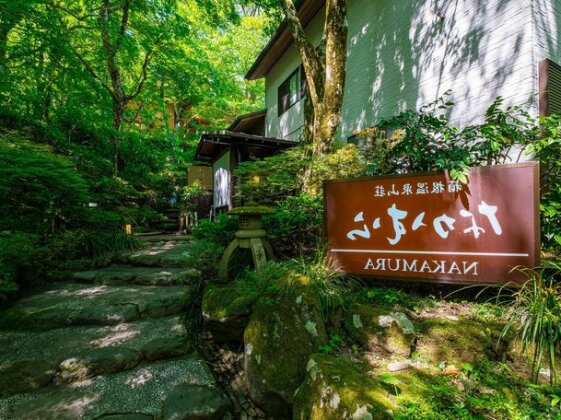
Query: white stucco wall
[(547, 15), (404, 54), (289, 124)]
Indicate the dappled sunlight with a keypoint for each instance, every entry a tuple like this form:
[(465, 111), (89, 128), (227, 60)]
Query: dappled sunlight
[(142, 377), (89, 292), (118, 335)]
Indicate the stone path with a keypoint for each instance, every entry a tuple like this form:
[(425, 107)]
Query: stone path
[(110, 343)]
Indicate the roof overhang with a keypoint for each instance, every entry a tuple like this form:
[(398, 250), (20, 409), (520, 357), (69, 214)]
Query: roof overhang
[(212, 143), (245, 123), (282, 40)]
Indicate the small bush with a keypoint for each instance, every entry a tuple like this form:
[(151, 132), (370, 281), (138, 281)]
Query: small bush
[(220, 232), (205, 255), (535, 315), (17, 251), (296, 227), (332, 286)]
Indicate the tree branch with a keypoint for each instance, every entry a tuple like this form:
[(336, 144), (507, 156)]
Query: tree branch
[(144, 73), (90, 70), (124, 24), (308, 54)]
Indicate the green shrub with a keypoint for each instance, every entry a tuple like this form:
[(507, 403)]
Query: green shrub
[(296, 227), (535, 315), (17, 251), (275, 178), (205, 255), (40, 191), (220, 232), (333, 286)]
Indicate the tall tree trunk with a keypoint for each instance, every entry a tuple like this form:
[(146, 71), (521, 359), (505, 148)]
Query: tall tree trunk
[(325, 72), (110, 49)]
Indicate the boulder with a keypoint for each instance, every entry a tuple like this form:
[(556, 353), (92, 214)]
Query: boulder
[(24, 376), (226, 312), (336, 388), (458, 341), (282, 333), (380, 330), (194, 402)]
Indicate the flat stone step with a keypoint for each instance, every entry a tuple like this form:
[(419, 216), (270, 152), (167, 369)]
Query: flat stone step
[(160, 236), (181, 388), (167, 253), (125, 275), (73, 304), (66, 355)]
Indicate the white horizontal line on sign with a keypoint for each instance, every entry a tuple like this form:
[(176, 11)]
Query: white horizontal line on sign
[(384, 251)]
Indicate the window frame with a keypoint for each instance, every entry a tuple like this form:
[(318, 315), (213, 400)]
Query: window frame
[(287, 98)]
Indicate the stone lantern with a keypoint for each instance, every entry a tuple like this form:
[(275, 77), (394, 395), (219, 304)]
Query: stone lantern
[(250, 235)]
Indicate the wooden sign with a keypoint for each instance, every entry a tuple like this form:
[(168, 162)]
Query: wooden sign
[(430, 227)]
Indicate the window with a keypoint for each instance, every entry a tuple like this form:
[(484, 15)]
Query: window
[(291, 90)]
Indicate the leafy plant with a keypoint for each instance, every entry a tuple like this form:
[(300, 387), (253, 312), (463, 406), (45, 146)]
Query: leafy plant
[(262, 287), (332, 285), (220, 232), (535, 316), (296, 227), (17, 250), (334, 341)]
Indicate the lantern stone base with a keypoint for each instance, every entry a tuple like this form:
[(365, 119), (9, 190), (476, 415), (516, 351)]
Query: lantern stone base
[(250, 236)]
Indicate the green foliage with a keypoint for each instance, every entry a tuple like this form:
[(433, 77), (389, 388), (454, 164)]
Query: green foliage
[(424, 141), (220, 232), (546, 146), (189, 194), (205, 255), (296, 227), (39, 190), (334, 342), (384, 296), (277, 177), (16, 252), (333, 286), (535, 315), (490, 390), (262, 287)]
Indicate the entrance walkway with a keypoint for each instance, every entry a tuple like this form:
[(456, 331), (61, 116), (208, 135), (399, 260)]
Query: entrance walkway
[(108, 343)]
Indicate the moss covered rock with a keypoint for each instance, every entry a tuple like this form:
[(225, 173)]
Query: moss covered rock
[(226, 312), (380, 330), (336, 388), (282, 334), (458, 341)]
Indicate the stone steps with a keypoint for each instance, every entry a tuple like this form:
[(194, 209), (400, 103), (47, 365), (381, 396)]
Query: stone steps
[(119, 275), (163, 253), (112, 344), (74, 304), (66, 355), (181, 388)]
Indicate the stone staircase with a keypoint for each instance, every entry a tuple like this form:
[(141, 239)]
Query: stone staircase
[(109, 343)]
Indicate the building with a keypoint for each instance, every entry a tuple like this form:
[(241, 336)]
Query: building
[(405, 54)]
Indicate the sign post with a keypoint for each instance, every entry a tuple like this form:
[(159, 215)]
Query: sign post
[(428, 227)]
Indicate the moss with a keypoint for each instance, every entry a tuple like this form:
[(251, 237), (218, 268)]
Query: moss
[(248, 210), (379, 330), (457, 341), (279, 339), (338, 388), (226, 301)]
